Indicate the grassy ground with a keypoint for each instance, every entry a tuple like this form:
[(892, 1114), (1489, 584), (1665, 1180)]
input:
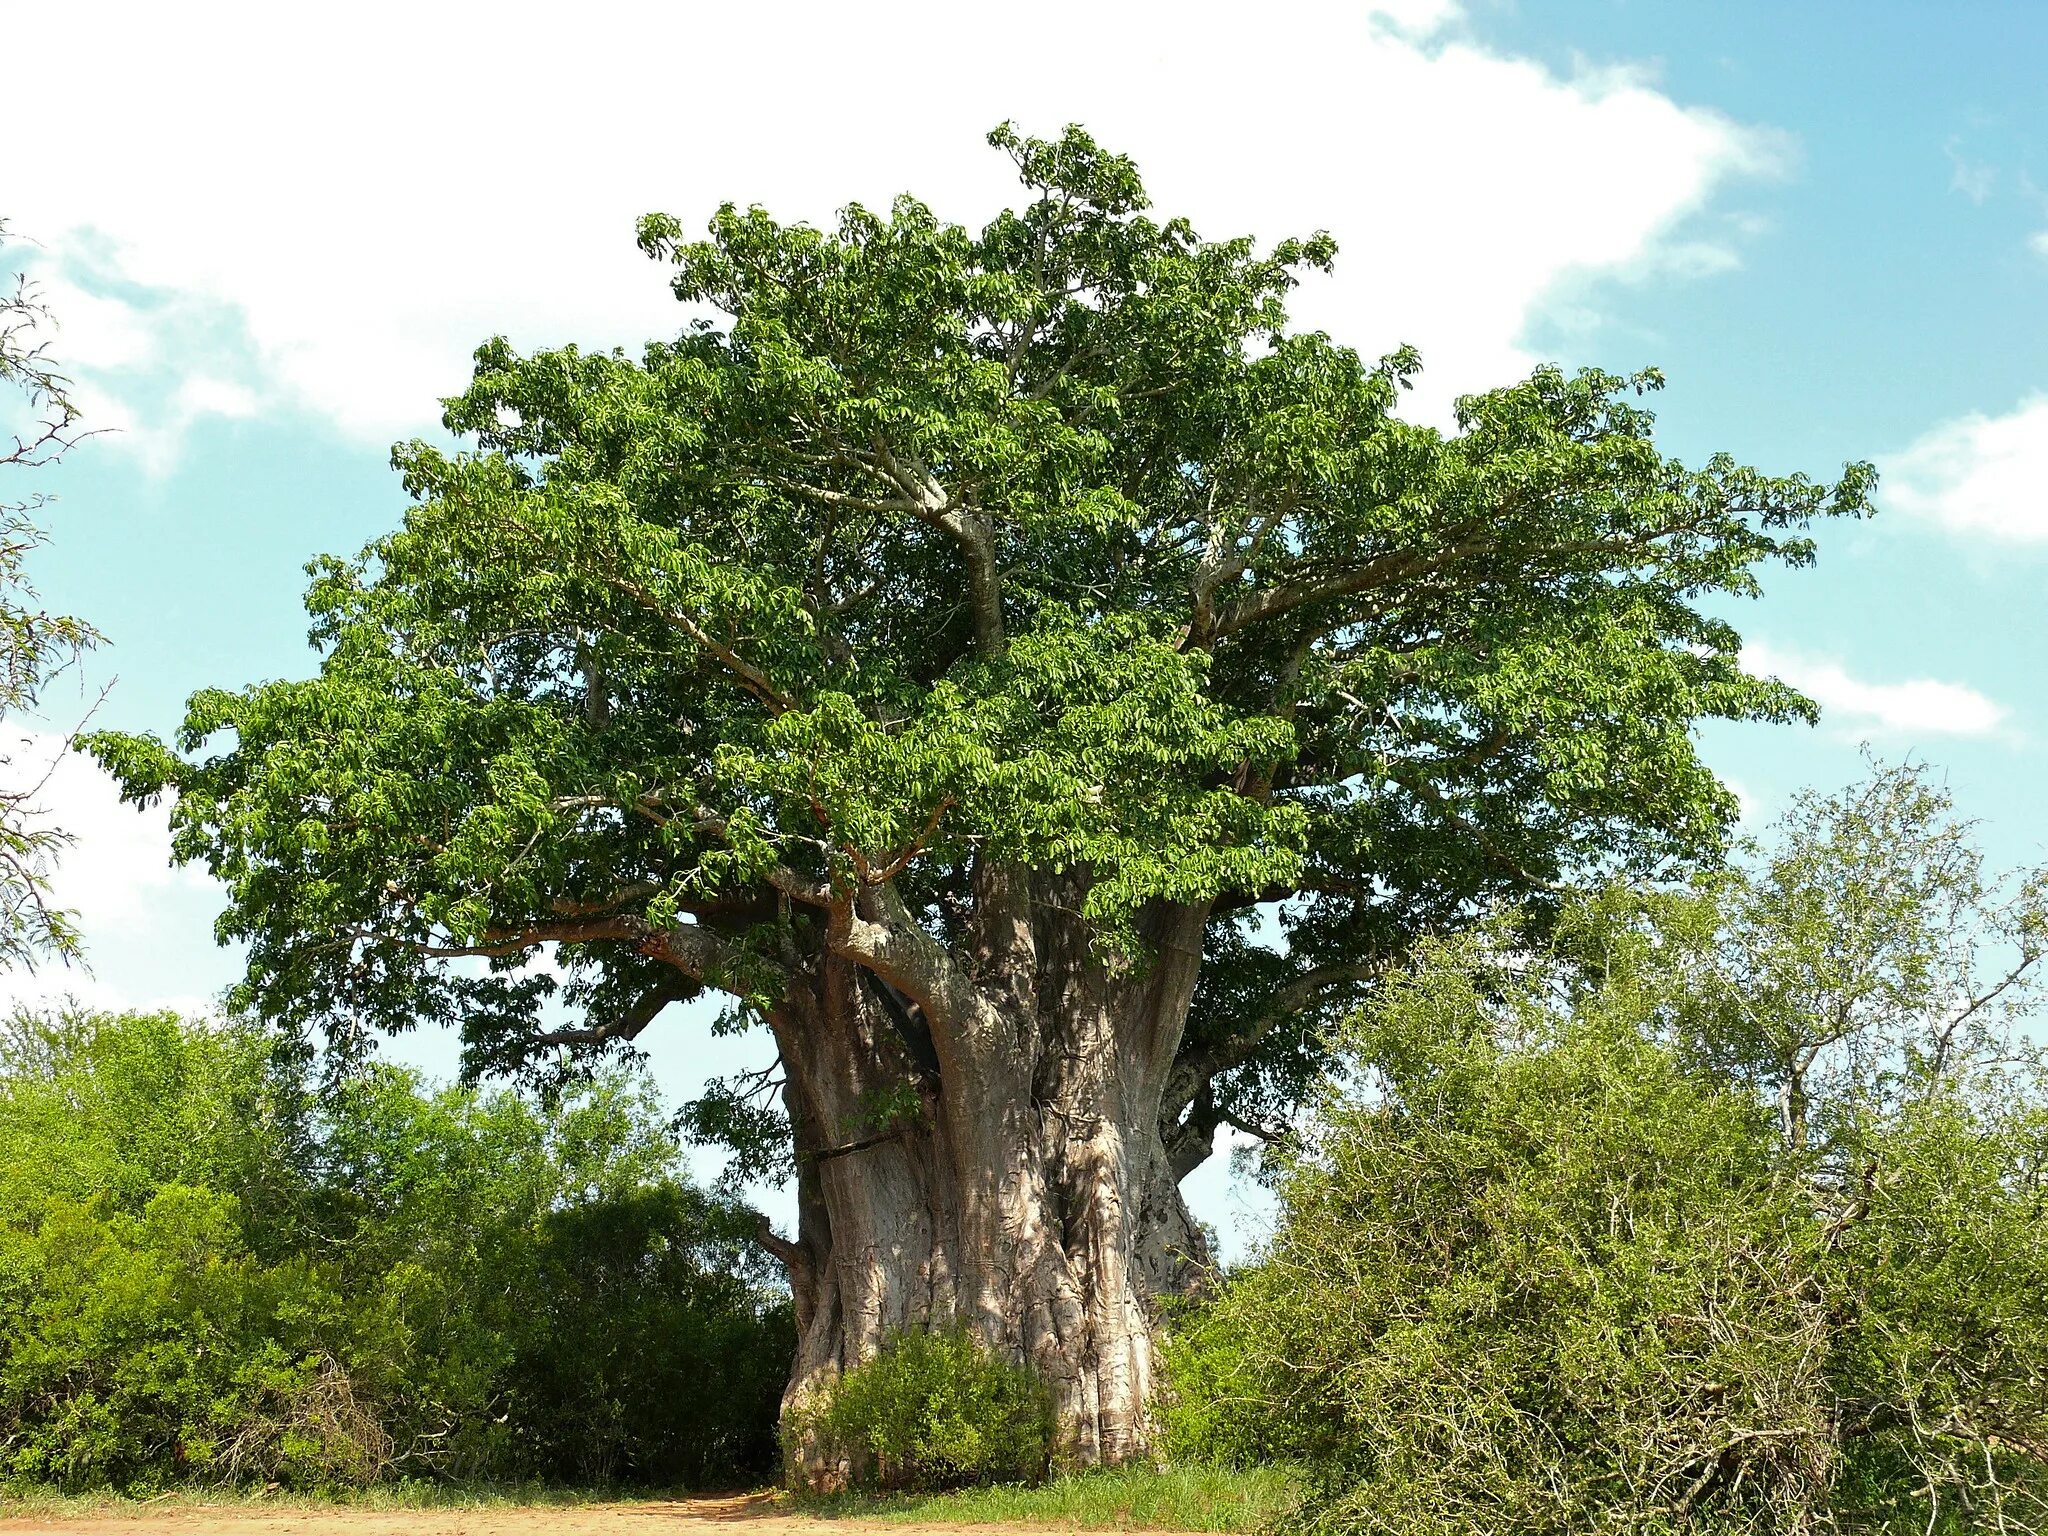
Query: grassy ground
[(34, 1499), (1129, 1498), (1126, 1498)]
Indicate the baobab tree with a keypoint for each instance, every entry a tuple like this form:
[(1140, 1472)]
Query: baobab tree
[(1018, 671)]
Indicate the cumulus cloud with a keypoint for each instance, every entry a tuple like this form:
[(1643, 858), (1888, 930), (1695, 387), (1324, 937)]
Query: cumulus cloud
[(1981, 476), (1917, 707), (144, 364), (364, 194)]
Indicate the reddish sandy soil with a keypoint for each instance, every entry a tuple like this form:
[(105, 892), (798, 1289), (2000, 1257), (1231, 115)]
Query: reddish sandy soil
[(744, 1515)]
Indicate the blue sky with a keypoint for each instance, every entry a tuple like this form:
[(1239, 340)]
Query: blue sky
[(274, 233)]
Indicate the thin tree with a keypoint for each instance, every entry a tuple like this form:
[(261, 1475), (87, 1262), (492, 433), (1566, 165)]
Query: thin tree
[(1015, 669), (41, 421)]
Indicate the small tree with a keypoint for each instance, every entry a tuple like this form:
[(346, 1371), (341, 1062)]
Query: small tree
[(34, 643), (948, 654), (1866, 961)]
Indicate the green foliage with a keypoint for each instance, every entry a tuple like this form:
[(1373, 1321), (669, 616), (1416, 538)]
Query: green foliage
[(648, 1356), (1723, 1214), (153, 1344), (1050, 545), (931, 1411), (1216, 1408), (209, 1271), (1536, 1291)]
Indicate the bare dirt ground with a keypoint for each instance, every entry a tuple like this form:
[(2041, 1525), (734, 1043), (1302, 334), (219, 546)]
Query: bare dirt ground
[(741, 1515)]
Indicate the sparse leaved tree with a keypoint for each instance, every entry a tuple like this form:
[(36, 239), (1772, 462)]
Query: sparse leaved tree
[(1868, 959), (1018, 670), (38, 422)]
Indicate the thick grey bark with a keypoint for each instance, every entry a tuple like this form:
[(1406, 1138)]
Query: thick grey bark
[(1013, 1180)]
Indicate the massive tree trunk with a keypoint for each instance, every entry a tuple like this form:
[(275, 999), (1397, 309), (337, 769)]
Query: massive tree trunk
[(985, 1152)]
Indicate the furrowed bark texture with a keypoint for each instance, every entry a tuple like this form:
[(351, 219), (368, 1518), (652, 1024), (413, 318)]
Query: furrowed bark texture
[(1009, 1177)]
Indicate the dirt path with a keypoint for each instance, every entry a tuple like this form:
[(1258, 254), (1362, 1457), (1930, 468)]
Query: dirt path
[(745, 1515)]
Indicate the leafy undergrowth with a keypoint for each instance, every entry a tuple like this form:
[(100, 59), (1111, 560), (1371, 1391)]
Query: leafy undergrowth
[(1123, 1498)]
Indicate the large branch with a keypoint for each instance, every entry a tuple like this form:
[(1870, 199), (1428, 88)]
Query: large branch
[(794, 1256), (875, 928), (1473, 538), (918, 493), (1489, 845), (627, 1025), (1384, 570), (1192, 1142), (1196, 1069), (1227, 555), (691, 948), (750, 677), (653, 805), (972, 531)]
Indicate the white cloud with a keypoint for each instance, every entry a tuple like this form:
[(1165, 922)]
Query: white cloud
[(1975, 180), (148, 419), (365, 194), (144, 364), (91, 329), (1979, 475), (204, 396), (1918, 707), (2037, 242), (147, 925)]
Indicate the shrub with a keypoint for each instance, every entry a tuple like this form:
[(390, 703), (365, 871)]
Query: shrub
[(1565, 1287), (932, 1411), (1727, 1212), (1527, 1291), (209, 1271), (650, 1354), (135, 1348), (1216, 1407)]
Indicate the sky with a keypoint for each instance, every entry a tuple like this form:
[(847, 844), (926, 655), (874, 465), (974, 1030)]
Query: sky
[(273, 235)]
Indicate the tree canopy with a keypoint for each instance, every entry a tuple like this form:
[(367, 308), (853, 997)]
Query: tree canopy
[(922, 552)]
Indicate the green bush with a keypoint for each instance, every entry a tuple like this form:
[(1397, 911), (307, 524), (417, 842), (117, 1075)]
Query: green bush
[(648, 1355), (1567, 1287), (1725, 1210), (1216, 1408), (1536, 1291), (137, 1347), (209, 1271), (934, 1411)]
